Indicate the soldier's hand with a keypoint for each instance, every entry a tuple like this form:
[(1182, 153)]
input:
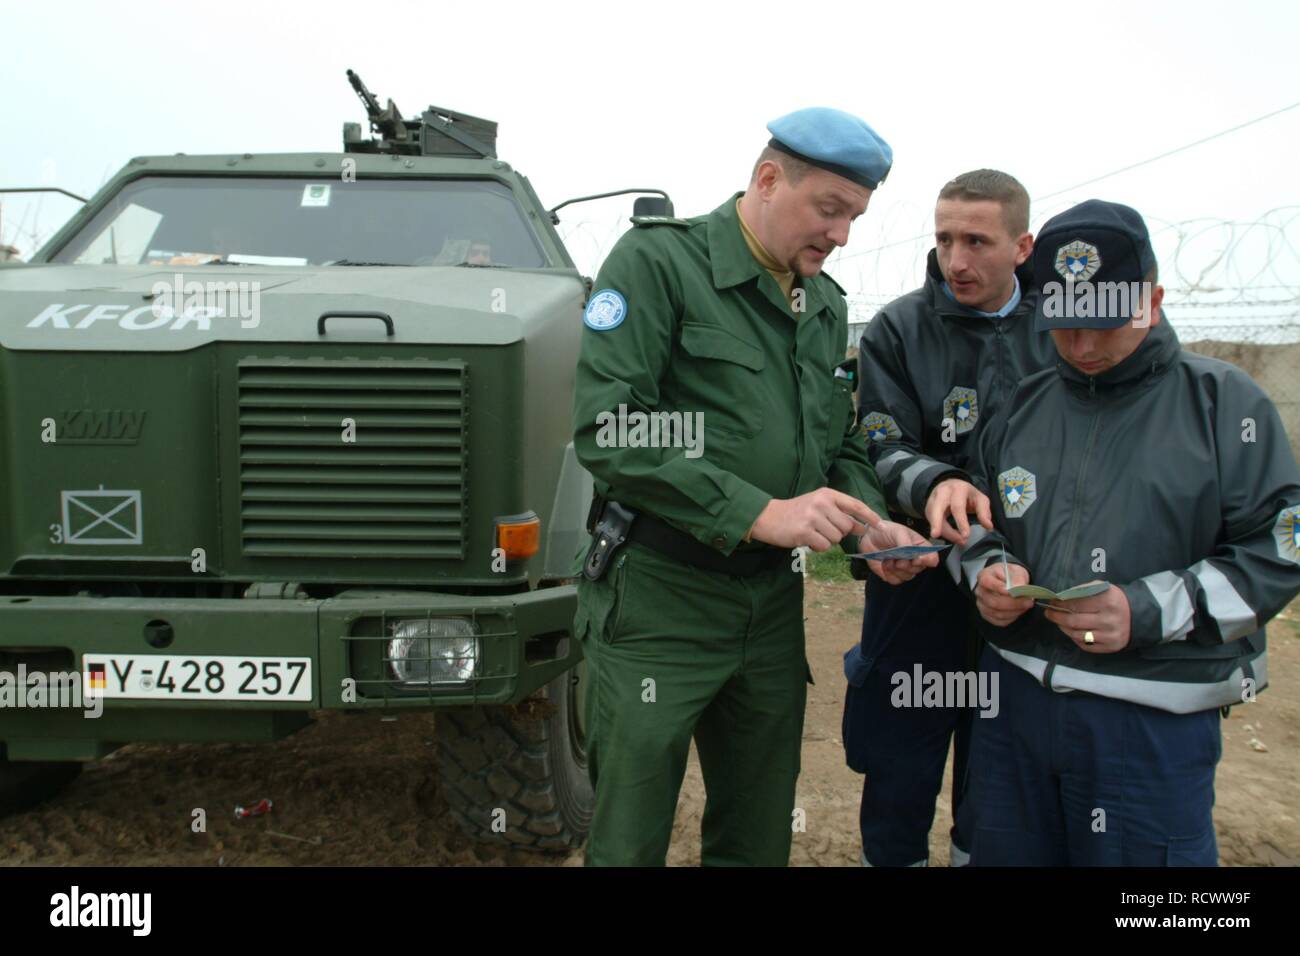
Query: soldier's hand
[(1105, 616), (958, 498), (817, 520), (890, 534), (995, 605)]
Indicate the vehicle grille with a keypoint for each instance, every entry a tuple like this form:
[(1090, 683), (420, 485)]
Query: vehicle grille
[(396, 491)]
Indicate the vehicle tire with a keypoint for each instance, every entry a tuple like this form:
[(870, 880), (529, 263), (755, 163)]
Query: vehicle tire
[(518, 775), (24, 784)]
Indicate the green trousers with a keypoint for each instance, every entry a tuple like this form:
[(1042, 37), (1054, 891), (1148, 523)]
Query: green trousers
[(674, 652)]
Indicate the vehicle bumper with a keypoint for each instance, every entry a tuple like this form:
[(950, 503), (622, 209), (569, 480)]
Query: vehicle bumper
[(525, 640)]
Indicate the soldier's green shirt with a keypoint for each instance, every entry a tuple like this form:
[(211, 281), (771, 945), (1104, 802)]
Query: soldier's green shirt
[(707, 330)]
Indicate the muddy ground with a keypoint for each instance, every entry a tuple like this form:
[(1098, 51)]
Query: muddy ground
[(366, 787)]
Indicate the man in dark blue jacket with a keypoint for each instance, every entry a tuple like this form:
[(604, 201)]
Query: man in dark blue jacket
[(1160, 485), (934, 367)]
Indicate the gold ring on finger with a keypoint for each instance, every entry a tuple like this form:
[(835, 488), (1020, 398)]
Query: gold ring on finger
[(1088, 638)]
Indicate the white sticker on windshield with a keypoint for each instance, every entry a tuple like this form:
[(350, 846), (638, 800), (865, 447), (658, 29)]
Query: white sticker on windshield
[(316, 194)]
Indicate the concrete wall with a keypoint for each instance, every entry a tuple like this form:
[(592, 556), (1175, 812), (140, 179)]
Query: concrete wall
[(1277, 370)]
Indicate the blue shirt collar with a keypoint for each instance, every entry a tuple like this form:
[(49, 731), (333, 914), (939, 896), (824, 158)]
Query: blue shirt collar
[(1000, 313)]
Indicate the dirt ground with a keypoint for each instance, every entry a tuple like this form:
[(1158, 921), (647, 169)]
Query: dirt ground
[(366, 788)]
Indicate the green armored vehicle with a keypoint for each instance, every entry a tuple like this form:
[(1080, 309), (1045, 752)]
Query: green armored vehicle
[(288, 433)]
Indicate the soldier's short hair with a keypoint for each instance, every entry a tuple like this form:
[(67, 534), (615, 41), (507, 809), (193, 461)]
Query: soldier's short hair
[(994, 186), (794, 169)]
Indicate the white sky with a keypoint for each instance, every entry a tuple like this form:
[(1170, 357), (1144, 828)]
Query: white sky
[(599, 96)]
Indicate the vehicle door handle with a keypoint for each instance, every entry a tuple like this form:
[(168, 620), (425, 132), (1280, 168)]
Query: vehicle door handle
[(381, 316)]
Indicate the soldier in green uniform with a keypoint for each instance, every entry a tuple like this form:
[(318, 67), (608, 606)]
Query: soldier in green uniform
[(720, 433)]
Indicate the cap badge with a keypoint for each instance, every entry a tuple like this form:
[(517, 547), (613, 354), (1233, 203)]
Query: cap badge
[(1078, 260)]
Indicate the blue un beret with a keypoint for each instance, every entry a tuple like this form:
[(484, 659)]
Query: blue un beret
[(835, 141)]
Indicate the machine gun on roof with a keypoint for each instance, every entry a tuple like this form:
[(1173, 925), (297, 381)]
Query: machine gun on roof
[(437, 132)]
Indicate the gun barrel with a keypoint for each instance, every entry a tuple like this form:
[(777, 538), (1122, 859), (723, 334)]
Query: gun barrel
[(367, 98)]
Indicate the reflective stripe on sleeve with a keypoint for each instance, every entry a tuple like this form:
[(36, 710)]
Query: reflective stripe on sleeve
[(962, 563), (1233, 615), (886, 467), (1176, 609), (905, 483)]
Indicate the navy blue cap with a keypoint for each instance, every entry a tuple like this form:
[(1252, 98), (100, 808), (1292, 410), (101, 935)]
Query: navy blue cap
[(835, 141), (1088, 263)]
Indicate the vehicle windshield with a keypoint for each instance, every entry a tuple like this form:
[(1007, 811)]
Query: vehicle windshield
[(184, 221)]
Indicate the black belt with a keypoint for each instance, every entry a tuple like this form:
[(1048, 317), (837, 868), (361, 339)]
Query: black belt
[(660, 536)]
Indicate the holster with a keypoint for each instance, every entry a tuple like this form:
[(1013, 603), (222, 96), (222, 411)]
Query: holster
[(612, 523)]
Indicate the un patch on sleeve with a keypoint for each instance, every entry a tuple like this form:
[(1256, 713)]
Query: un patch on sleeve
[(1287, 533), (606, 310)]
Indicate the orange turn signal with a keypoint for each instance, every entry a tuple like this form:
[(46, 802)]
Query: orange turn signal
[(519, 536)]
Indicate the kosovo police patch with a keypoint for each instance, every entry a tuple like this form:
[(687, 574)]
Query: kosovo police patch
[(1287, 533), (963, 407), (1078, 260), (878, 426), (1019, 490), (606, 310)]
